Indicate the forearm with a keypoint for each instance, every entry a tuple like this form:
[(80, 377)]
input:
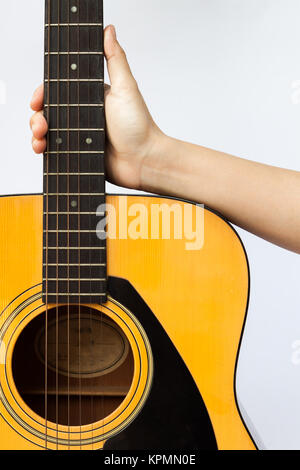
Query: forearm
[(262, 199)]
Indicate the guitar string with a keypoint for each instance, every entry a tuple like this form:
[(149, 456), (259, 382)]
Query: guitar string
[(46, 157), (68, 222), (57, 221), (89, 217), (101, 315), (79, 205)]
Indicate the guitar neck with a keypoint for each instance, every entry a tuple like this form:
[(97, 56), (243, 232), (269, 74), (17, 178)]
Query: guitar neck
[(74, 257)]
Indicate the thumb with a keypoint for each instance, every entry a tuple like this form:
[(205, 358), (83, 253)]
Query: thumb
[(118, 68)]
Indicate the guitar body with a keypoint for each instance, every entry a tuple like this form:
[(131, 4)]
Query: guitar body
[(180, 312)]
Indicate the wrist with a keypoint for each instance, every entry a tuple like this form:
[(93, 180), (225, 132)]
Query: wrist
[(156, 165)]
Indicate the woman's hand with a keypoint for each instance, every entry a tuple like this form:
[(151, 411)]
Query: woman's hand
[(132, 135)]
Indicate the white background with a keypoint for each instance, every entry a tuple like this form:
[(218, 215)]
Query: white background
[(215, 72)]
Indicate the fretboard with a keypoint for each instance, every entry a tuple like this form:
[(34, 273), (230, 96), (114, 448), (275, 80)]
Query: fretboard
[(74, 256)]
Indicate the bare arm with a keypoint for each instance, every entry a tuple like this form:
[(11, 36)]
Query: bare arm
[(262, 199)]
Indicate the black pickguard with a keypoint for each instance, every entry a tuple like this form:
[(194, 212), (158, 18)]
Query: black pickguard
[(174, 416)]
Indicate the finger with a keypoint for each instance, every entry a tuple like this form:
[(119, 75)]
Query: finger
[(38, 125), (37, 101), (39, 145), (118, 68)]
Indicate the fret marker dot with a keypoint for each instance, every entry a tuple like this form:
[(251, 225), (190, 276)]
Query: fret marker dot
[(74, 9), (59, 140), (89, 141), (74, 66), (74, 203)]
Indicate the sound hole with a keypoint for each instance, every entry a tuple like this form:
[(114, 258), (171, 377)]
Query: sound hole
[(89, 365)]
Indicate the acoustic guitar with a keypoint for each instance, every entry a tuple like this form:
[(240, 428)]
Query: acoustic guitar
[(121, 316)]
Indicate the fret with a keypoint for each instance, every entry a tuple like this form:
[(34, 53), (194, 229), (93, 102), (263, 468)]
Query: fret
[(82, 234), (95, 152), (68, 294), (74, 194), (91, 265), (71, 213), (98, 80), (74, 279), (60, 229), (64, 298), (47, 25), (73, 248), (73, 244), (72, 231), (75, 105), (75, 53), (73, 174), (76, 130), (84, 286), (59, 257)]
